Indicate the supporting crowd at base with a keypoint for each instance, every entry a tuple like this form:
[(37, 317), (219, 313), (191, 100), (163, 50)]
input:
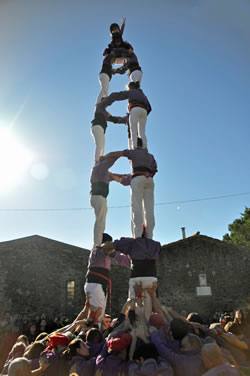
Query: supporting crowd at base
[(165, 344)]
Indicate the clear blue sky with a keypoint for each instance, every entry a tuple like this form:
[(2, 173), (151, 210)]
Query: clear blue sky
[(196, 62)]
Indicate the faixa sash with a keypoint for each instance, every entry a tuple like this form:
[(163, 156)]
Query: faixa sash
[(106, 279), (132, 105)]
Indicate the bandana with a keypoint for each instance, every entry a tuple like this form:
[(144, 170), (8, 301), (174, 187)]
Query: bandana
[(120, 343), (59, 340)]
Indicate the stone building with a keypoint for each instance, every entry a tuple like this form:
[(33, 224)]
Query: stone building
[(202, 274), (199, 273), (41, 275)]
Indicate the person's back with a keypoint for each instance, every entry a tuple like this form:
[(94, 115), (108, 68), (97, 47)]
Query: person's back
[(148, 363), (223, 369), (142, 160), (214, 362), (82, 366), (188, 362), (139, 249), (112, 361)]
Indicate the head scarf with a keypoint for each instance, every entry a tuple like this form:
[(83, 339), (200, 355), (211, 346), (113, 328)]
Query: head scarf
[(59, 340), (120, 343)]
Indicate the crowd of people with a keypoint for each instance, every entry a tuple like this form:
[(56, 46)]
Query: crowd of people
[(166, 344), (146, 338), (31, 324)]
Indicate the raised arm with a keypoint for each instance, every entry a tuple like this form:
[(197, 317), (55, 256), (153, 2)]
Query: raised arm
[(119, 119), (115, 154), (123, 25), (116, 96), (115, 177), (155, 301), (196, 326), (124, 179), (233, 340)]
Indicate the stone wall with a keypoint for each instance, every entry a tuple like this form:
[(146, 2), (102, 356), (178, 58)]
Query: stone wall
[(34, 272), (226, 268)]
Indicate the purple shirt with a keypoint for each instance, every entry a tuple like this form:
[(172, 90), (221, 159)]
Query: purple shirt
[(100, 172), (223, 368), (139, 248), (184, 364), (151, 367), (54, 360), (112, 365), (141, 158), (84, 367), (95, 348), (100, 109), (98, 259), (134, 96)]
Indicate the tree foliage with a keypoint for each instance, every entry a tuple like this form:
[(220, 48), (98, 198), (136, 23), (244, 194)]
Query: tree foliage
[(240, 230)]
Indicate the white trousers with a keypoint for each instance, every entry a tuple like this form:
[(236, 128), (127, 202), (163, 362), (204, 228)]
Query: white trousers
[(129, 143), (97, 298), (137, 123), (135, 76), (145, 282), (104, 83), (99, 203), (97, 132), (142, 206)]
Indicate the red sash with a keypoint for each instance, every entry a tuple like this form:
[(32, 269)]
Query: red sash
[(132, 105)]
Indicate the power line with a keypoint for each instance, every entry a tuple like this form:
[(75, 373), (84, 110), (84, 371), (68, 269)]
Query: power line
[(125, 206)]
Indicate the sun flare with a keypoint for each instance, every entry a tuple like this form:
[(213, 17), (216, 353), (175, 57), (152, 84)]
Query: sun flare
[(14, 160)]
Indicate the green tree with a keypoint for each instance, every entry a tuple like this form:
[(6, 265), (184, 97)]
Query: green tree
[(240, 230)]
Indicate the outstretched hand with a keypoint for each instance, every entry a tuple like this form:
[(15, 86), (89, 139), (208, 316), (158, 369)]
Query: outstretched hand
[(108, 247), (138, 290), (151, 290), (125, 308)]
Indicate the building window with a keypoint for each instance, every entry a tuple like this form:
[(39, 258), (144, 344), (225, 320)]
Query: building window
[(203, 279), (70, 292)]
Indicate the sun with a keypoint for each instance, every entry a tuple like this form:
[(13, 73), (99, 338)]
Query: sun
[(15, 160)]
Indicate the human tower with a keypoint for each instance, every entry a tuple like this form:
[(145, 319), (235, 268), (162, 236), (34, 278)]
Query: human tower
[(138, 252)]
